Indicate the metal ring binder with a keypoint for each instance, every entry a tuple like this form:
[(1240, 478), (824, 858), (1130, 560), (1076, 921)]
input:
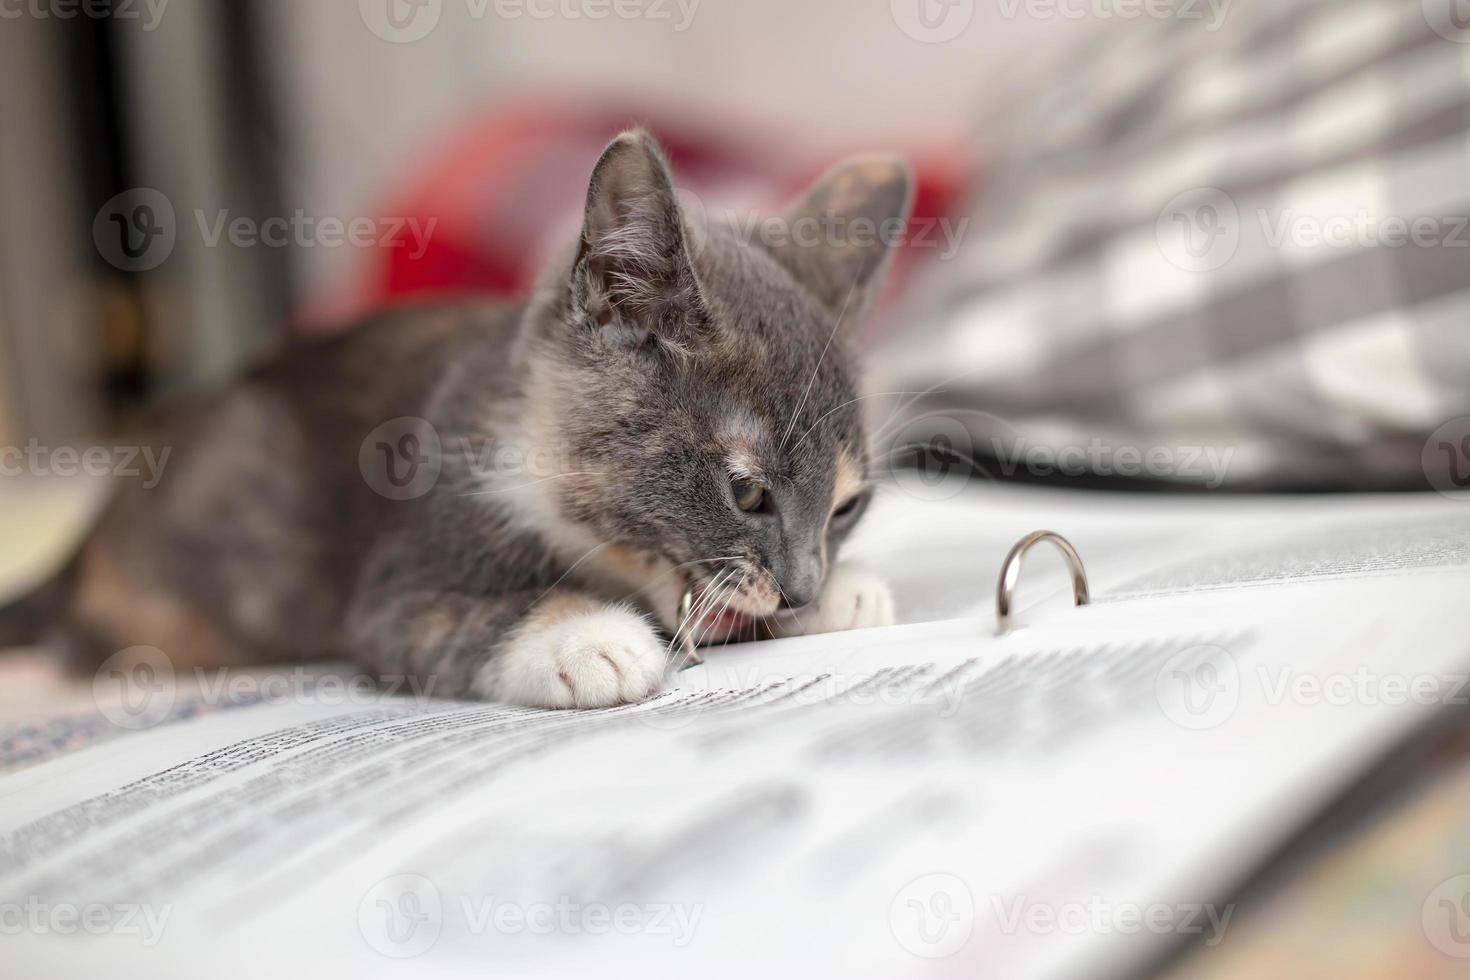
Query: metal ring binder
[(686, 606), (1010, 574)]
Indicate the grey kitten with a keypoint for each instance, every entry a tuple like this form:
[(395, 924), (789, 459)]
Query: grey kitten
[(509, 503)]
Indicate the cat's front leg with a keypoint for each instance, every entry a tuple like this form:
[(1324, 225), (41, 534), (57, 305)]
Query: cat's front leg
[(574, 651), (851, 598), (560, 649)]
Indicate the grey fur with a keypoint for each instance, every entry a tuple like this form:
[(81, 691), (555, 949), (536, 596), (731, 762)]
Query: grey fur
[(639, 347)]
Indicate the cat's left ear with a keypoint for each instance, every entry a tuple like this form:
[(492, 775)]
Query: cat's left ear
[(839, 234), (633, 271)]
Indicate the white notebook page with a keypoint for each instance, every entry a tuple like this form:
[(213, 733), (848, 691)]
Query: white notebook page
[(1063, 801)]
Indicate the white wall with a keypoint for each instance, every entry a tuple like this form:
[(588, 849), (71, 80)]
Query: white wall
[(830, 68)]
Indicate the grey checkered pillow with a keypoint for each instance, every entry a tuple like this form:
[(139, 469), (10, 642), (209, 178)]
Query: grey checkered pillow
[(1249, 242)]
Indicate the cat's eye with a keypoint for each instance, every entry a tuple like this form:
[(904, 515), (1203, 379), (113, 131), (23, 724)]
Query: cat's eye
[(749, 495), (848, 510)]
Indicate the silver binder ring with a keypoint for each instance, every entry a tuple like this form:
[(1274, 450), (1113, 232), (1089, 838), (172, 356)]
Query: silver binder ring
[(1010, 574), (685, 634)]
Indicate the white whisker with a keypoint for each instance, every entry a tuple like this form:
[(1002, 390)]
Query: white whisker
[(712, 597), (730, 594), (588, 554), (522, 486), (736, 590), (697, 608), (674, 568), (813, 380), (937, 386), (850, 401), (795, 618)]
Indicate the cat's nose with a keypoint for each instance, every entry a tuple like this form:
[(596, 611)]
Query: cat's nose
[(798, 601), (787, 602), (801, 587), (797, 567)]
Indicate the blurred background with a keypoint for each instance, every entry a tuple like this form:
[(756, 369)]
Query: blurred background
[(185, 182), (1209, 245), (265, 109)]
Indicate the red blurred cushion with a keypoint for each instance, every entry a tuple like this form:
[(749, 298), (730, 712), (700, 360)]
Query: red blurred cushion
[(495, 202)]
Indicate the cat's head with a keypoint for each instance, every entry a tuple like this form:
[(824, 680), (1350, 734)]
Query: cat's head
[(701, 377)]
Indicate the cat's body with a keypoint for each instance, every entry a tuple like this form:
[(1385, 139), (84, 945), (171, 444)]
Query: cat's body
[(509, 502)]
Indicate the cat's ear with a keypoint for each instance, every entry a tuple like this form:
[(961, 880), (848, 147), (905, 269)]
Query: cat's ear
[(838, 235), (633, 271)]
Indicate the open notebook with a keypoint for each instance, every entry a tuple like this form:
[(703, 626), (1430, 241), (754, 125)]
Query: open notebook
[(1063, 801)]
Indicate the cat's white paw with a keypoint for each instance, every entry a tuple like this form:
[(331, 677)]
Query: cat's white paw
[(851, 599), (591, 660)]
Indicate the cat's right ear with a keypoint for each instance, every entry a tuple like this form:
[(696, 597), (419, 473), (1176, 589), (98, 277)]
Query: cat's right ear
[(840, 233), (633, 276)]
